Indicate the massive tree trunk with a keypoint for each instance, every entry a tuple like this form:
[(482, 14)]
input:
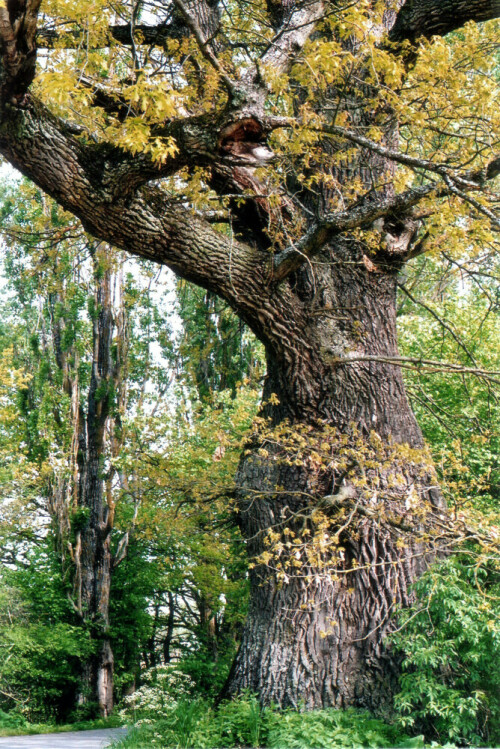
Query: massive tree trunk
[(338, 505), (321, 603)]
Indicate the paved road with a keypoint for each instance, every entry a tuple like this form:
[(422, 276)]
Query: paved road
[(71, 740)]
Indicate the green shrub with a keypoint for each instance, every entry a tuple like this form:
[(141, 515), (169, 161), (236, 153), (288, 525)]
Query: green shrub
[(164, 688), (243, 723), (42, 641), (332, 729), (209, 674), (450, 638), (12, 719), (187, 723), (166, 714)]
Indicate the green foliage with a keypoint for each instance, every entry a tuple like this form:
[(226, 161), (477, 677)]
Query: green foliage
[(164, 706), (133, 586), (46, 330), (156, 469), (333, 728), (243, 723), (186, 531), (450, 640), (217, 351), (453, 316), (12, 719), (41, 643), (14, 724), (206, 666)]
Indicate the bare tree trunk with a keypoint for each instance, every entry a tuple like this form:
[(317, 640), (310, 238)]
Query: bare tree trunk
[(105, 696)]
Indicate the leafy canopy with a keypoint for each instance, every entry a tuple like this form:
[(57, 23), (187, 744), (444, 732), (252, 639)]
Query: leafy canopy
[(128, 91)]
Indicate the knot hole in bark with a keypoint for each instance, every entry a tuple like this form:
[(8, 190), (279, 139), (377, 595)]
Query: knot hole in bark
[(244, 141)]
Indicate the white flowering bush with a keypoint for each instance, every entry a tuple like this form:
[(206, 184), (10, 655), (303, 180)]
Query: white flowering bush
[(159, 697)]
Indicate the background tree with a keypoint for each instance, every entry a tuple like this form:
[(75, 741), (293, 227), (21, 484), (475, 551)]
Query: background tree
[(71, 313), (384, 146), (42, 642), (189, 528), (449, 311), (217, 351), (177, 595)]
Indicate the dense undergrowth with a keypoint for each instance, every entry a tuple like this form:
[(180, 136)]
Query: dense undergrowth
[(242, 723), (450, 641), (450, 684), (449, 688)]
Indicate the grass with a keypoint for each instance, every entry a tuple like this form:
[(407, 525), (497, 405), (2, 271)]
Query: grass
[(83, 725)]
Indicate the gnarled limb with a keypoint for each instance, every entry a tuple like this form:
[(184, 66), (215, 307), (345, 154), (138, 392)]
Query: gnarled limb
[(148, 222), (428, 18)]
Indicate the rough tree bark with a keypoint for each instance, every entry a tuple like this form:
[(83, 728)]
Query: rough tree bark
[(317, 637), (325, 310), (93, 558)]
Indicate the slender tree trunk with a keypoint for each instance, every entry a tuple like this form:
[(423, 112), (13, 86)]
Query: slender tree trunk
[(96, 568), (327, 522), (94, 560), (151, 643), (167, 642)]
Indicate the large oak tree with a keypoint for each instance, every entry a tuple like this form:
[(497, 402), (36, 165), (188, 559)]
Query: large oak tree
[(290, 157)]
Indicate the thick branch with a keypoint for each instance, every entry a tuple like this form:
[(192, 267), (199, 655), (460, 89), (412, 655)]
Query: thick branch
[(158, 35), (296, 29), (173, 26), (428, 18), (455, 182), (147, 223), (204, 45), (313, 241)]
